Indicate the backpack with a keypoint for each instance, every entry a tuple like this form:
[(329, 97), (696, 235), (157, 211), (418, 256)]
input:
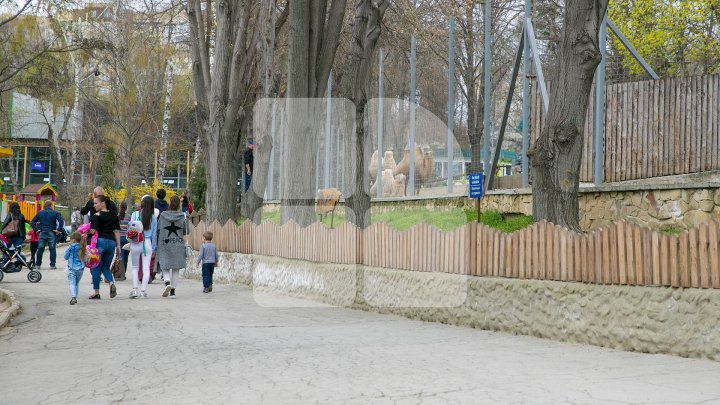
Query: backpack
[(135, 231)]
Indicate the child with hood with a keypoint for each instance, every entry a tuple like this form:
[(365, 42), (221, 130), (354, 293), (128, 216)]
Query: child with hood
[(171, 253)]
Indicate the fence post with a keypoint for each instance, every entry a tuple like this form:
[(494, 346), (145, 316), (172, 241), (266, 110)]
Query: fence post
[(472, 265)]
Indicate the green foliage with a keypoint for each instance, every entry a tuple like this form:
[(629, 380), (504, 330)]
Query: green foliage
[(107, 169), (675, 37), (507, 223), (670, 230), (198, 187), (443, 220)]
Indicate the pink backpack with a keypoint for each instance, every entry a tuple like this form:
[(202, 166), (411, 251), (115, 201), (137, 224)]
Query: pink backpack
[(84, 229)]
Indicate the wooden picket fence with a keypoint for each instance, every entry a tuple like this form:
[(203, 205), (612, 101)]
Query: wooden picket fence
[(652, 128), (620, 254)]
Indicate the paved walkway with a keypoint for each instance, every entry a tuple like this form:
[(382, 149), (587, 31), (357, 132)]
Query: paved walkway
[(223, 348)]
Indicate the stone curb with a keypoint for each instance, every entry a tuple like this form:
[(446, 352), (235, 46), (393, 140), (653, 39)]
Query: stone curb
[(8, 313)]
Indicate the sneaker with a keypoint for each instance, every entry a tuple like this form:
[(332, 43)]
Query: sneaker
[(143, 294), (172, 293), (52, 267), (113, 291), (94, 297), (210, 288), (133, 294), (167, 289), (73, 301), (205, 290)]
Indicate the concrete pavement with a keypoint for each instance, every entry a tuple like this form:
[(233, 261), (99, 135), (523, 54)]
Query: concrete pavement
[(225, 348)]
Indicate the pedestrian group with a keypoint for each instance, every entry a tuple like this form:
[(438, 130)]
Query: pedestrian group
[(148, 239)]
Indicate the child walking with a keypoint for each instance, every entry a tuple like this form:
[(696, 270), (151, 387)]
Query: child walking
[(75, 256), (209, 257), (34, 238)]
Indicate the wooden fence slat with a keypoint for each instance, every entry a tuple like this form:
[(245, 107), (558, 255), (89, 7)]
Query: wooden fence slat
[(664, 262), (600, 259), (673, 265), (496, 254), (693, 251), (713, 239), (577, 261), (622, 264), (683, 256), (549, 256), (606, 256), (656, 258), (629, 253), (565, 250), (703, 256)]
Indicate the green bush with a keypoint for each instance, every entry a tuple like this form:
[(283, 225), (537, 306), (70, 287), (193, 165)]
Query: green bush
[(670, 230), (198, 186)]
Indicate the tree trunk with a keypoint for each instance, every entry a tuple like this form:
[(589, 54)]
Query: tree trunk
[(314, 38), (252, 208), (557, 153), (166, 121), (222, 174), (368, 26)]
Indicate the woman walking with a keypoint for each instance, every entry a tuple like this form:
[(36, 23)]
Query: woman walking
[(14, 226), (107, 227), (171, 245), (144, 247)]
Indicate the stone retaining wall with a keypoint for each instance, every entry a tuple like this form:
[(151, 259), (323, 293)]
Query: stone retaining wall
[(658, 205), (683, 322), (9, 307)]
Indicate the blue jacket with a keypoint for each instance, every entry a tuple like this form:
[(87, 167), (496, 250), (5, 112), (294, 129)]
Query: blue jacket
[(72, 255), (148, 234), (47, 220)]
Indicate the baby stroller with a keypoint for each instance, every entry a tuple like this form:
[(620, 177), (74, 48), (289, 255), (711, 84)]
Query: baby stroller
[(12, 260)]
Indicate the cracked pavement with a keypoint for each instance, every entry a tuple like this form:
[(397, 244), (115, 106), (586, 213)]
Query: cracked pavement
[(223, 348)]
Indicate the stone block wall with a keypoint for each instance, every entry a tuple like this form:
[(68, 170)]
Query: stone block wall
[(680, 205), (683, 322)]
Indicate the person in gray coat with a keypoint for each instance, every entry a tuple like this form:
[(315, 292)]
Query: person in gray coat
[(171, 253)]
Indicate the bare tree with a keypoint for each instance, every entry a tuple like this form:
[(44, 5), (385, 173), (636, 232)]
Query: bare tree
[(224, 91), (368, 26), (556, 155), (314, 37)]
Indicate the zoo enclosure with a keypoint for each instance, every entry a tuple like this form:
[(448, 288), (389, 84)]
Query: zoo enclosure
[(620, 254)]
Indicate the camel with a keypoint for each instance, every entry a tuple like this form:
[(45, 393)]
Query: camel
[(424, 167), (388, 162)]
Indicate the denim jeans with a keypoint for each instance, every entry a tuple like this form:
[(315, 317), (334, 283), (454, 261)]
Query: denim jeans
[(74, 277), (46, 238), (124, 253), (207, 274), (247, 182), (106, 247)]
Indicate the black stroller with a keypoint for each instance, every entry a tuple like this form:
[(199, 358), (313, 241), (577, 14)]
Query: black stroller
[(12, 260)]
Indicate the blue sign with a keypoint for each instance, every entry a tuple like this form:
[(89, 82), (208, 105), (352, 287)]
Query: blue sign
[(476, 185), (38, 166)]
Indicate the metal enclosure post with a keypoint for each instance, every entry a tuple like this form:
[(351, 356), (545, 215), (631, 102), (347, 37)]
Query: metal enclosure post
[(328, 132), (538, 66), (411, 140), (451, 105), (526, 102), (282, 153), (487, 132), (271, 170), (599, 127), (380, 124)]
